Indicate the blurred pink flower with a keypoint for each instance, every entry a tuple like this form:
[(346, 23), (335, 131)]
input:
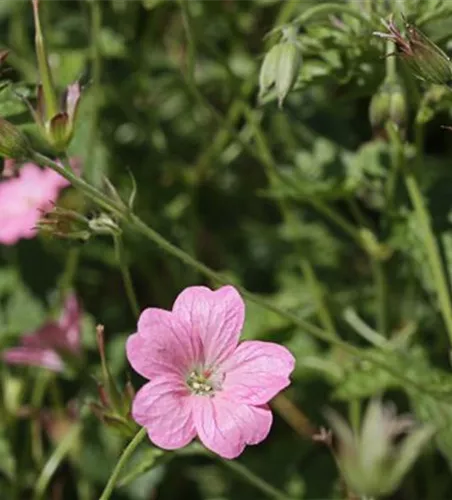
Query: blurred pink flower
[(44, 346), (202, 382), (23, 198)]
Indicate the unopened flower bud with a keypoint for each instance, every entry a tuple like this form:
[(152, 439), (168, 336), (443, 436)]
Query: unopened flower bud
[(425, 59), (388, 104), (13, 143), (374, 461), (379, 107), (281, 66)]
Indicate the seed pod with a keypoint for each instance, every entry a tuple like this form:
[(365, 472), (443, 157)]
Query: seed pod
[(288, 68), (269, 69)]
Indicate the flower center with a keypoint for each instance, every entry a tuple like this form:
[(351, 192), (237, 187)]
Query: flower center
[(202, 383)]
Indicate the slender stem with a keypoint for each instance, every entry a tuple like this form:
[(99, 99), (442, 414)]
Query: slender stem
[(362, 329), (128, 285), (72, 260), (338, 220), (55, 459), (423, 218), (96, 58), (293, 416), (323, 314), (40, 386), (101, 199), (354, 415), (126, 454), (186, 19), (381, 296), (255, 480), (332, 8)]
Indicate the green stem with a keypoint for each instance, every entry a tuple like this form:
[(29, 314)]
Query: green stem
[(381, 287), (128, 285), (332, 8), (423, 219), (40, 386), (186, 19), (101, 199), (362, 329), (323, 314), (338, 220), (96, 26), (126, 454), (255, 480), (54, 461), (72, 260)]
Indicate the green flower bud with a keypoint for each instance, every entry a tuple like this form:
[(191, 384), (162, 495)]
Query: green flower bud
[(281, 66), (269, 69), (388, 104), (13, 143), (288, 68), (379, 107)]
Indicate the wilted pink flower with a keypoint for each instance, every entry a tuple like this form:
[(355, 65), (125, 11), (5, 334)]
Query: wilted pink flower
[(202, 382), (23, 198), (45, 346)]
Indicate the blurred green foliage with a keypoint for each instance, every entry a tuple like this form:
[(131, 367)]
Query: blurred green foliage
[(273, 198)]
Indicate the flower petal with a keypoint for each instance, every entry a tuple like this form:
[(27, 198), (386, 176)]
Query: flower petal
[(216, 316), (162, 345), (33, 356), (163, 406), (257, 371), (225, 427), (69, 323)]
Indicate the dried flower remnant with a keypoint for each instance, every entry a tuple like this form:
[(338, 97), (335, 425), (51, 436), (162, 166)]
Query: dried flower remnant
[(23, 198), (47, 346), (425, 59), (202, 381), (374, 462)]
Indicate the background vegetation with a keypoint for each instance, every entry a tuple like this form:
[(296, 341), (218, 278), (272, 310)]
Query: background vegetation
[(305, 205)]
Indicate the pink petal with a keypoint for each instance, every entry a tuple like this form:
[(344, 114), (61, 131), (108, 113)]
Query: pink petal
[(162, 345), (47, 336), (69, 323), (216, 316), (256, 372), (33, 356), (72, 99), (163, 406), (226, 428)]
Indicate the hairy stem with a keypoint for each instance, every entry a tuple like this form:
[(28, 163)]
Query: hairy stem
[(127, 279), (126, 454)]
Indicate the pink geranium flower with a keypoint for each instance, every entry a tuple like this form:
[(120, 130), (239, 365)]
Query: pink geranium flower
[(202, 381), (44, 346), (23, 198)]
